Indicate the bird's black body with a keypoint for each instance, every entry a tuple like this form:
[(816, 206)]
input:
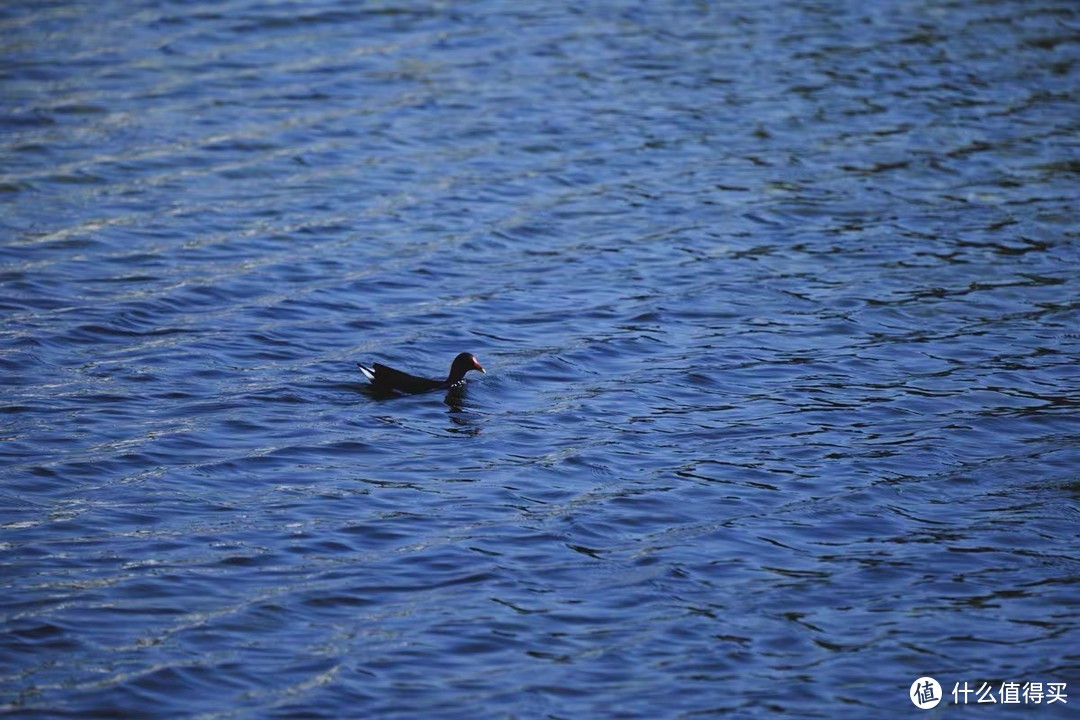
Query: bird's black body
[(387, 379)]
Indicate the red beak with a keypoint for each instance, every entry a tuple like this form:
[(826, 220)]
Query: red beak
[(476, 364)]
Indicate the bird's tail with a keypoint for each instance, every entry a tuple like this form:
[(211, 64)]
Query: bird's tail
[(368, 372)]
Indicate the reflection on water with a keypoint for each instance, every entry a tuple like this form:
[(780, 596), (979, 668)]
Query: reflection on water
[(779, 302)]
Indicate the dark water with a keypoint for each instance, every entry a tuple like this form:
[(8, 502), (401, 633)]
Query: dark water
[(778, 300)]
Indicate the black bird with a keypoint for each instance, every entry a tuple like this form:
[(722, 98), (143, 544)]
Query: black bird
[(387, 379)]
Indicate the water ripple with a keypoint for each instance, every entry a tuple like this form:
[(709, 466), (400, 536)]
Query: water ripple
[(778, 307)]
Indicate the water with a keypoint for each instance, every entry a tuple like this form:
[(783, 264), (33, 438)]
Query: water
[(778, 303)]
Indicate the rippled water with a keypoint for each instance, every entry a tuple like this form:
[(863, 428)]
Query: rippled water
[(778, 303)]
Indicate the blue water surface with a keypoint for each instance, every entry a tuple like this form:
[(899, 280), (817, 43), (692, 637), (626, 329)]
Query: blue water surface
[(778, 302)]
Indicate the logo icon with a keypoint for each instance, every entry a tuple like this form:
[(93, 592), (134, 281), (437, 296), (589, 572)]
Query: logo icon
[(925, 693)]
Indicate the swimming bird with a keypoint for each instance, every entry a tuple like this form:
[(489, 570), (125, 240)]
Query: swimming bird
[(387, 379)]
